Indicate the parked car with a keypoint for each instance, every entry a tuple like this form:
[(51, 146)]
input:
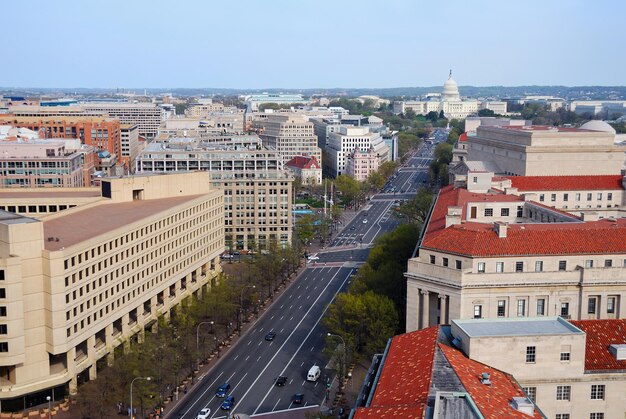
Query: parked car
[(313, 258), (228, 403), (222, 390)]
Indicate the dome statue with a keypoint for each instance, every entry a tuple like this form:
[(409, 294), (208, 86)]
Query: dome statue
[(596, 125), (450, 89)]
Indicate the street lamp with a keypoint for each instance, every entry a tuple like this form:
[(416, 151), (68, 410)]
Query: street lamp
[(49, 406), (131, 413), (217, 346), (343, 365), (198, 340), (239, 312)]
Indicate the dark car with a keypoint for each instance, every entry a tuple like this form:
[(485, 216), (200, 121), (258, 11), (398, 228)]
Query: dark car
[(298, 398), (270, 336), (222, 390), (228, 403), (281, 381)]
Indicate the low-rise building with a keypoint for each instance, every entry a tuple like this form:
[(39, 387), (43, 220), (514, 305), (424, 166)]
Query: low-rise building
[(77, 283), (362, 163), (307, 169)]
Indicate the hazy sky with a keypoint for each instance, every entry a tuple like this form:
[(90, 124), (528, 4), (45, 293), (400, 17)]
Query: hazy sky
[(304, 44)]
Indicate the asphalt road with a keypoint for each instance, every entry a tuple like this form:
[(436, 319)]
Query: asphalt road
[(253, 364)]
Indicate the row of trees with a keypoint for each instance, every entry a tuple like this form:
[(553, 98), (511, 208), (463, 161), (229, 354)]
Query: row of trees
[(195, 329)]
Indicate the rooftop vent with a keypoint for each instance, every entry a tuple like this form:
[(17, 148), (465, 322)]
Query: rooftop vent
[(618, 350), (485, 378), (522, 404)]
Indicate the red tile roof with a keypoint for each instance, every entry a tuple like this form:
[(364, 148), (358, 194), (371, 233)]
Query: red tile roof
[(566, 183), (463, 137), (304, 162), (493, 400), (600, 335), (480, 239), (404, 383)]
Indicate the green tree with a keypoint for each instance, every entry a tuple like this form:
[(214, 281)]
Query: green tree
[(416, 209), (376, 180), (305, 228), (443, 153), (387, 169), (350, 188), (486, 112)]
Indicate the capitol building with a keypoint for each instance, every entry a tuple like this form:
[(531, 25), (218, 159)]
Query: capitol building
[(450, 102)]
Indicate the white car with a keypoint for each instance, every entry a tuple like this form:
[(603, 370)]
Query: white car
[(313, 258), (365, 221), (204, 413)]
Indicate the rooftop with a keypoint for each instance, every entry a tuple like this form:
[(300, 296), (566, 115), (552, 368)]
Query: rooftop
[(513, 326), (106, 217), (601, 334), (567, 183)]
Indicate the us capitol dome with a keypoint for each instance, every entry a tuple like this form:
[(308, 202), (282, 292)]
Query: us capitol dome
[(450, 89)]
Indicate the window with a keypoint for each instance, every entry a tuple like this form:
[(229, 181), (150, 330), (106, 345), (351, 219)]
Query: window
[(591, 305), (488, 212), (565, 309), (539, 266), (3, 293), (3, 311), (599, 415), (609, 196), (565, 197), (504, 212), (458, 264), (531, 392), (563, 392), (501, 308), (541, 307), (608, 263), (577, 197), (553, 197), (589, 196), (475, 179), (542, 198), (481, 266), (565, 356), (478, 312), (562, 265), (531, 354), (520, 211), (432, 259), (445, 261), (610, 305), (599, 196), (589, 263), (499, 266), (562, 416), (521, 308), (597, 392), (3, 329), (4, 347), (519, 266)]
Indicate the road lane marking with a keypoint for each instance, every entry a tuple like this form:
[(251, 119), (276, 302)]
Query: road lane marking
[(247, 358), (274, 408), (293, 331), (231, 393), (203, 393), (307, 336)]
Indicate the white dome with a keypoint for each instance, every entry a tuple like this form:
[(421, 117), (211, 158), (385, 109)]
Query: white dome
[(450, 89), (596, 125)]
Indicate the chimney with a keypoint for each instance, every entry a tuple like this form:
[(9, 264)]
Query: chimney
[(590, 216), (618, 350), (501, 228), (453, 217), (523, 405), (510, 191), (485, 378)]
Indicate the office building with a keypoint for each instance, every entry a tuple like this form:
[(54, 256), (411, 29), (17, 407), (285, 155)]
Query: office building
[(289, 134), (130, 145), (344, 141), (257, 189), (362, 163), (279, 98), (77, 283), (148, 116)]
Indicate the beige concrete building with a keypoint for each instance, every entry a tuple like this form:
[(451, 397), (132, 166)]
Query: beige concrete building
[(571, 370), (257, 188), (489, 253), (130, 145), (77, 283), (361, 163), (290, 134)]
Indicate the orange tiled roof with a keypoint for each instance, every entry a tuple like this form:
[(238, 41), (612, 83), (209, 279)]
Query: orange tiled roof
[(493, 400), (567, 183), (600, 335), (303, 162)]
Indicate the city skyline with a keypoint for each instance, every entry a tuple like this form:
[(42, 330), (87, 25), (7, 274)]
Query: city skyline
[(251, 45)]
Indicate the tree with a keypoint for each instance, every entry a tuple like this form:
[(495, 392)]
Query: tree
[(486, 112), (376, 180), (387, 169), (443, 153), (350, 188), (305, 228), (432, 116), (416, 209)]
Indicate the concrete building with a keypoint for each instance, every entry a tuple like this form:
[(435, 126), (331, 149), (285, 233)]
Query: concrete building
[(545, 367), (148, 116), (289, 134), (344, 141), (278, 98), (450, 103), (545, 151), (606, 108), (487, 252), (425, 375), (257, 189), (307, 169), (130, 145), (361, 163), (80, 282)]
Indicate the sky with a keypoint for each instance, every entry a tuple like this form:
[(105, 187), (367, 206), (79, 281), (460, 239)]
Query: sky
[(256, 44)]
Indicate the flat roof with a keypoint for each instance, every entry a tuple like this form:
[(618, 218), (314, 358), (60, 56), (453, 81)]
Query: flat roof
[(83, 225), (523, 326), (8, 193), (12, 218)]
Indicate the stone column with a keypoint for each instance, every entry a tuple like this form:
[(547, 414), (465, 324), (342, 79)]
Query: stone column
[(443, 309), (425, 309)]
